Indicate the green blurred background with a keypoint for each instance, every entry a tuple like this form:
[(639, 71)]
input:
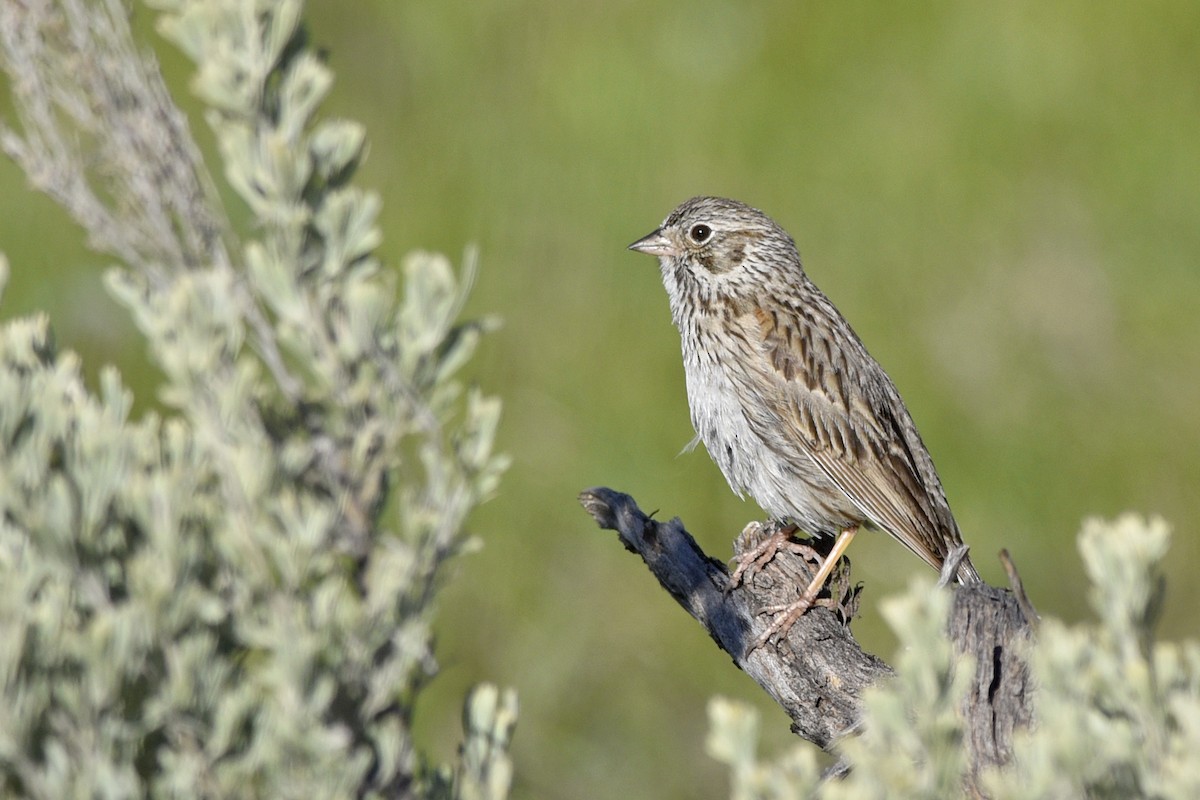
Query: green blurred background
[(1002, 198)]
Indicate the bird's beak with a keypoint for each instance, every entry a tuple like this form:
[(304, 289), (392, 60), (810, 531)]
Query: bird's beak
[(655, 244)]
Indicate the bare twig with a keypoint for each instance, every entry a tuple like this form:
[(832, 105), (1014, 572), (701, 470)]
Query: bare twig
[(1018, 588)]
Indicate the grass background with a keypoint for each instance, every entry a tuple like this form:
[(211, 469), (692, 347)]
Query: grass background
[(1002, 198)]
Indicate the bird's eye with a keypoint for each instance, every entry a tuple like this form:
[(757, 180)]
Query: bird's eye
[(700, 233)]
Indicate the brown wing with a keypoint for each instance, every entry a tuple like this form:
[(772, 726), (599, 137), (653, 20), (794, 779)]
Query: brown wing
[(838, 403)]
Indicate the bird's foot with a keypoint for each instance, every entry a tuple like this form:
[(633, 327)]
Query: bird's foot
[(761, 554), (786, 616)]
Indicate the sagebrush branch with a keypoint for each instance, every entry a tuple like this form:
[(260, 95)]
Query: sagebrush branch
[(818, 672)]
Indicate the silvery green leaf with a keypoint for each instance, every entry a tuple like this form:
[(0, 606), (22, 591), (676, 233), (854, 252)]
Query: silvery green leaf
[(337, 145)]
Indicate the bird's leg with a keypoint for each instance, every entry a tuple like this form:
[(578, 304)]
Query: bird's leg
[(788, 614), (764, 551)]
